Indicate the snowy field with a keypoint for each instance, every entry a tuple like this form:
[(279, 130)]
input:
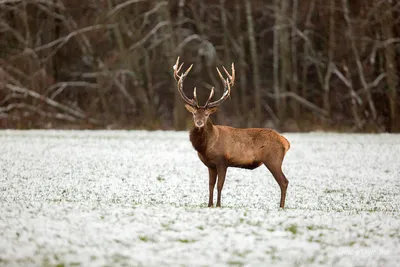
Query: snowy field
[(137, 198)]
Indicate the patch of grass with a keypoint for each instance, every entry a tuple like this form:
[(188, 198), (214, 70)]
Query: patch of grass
[(311, 259), (186, 240), (312, 227), (235, 263), (57, 200), (119, 258), (375, 209), (330, 191), (242, 254), (316, 227), (257, 223), (292, 228), (46, 263), (318, 239), (200, 227), (160, 178), (144, 238), (275, 257)]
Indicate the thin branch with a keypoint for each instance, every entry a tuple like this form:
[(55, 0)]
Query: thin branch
[(301, 100), (123, 5), (50, 102), (63, 40), (147, 37), (382, 44), (46, 2), (23, 106)]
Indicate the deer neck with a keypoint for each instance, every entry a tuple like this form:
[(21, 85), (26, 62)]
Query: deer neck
[(200, 137)]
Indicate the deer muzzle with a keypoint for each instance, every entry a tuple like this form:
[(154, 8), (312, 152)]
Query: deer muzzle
[(199, 123)]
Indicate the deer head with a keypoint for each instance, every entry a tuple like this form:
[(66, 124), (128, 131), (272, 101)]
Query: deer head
[(201, 113)]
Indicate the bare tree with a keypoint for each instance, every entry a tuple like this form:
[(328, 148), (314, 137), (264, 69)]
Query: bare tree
[(254, 64), (390, 63)]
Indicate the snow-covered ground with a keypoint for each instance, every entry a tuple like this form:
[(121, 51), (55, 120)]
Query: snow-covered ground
[(137, 198)]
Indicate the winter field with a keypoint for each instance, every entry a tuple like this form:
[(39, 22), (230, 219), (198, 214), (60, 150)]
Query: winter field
[(137, 198)]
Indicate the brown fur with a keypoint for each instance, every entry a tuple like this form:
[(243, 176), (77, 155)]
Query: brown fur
[(220, 147)]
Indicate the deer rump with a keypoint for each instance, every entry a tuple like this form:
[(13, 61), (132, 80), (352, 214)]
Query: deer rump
[(239, 148)]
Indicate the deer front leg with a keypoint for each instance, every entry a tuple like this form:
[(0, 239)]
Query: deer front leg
[(212, 173), (221, 179)]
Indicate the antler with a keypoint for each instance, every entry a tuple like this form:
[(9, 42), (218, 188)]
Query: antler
[(228, 83), (180, 79)]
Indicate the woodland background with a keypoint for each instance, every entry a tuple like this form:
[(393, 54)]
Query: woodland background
[(300, 65)]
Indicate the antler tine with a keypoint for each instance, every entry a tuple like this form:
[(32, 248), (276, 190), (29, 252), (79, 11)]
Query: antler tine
[(227, 92), (176, 69), (195, 97), (228, 82), (209, 98), (180, 79), (220, 75), (231, 76)]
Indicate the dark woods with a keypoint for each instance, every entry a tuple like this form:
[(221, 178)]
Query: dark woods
[(300, 65)]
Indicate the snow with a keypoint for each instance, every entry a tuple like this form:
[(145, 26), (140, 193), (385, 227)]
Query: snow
[(138, 198)]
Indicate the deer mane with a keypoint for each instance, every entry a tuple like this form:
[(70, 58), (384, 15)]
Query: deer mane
[(200, 136)]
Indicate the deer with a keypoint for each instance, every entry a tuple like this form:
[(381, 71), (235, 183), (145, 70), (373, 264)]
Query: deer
[(220, 147)]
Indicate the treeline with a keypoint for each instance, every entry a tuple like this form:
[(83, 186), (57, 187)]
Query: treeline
[(300, 65)]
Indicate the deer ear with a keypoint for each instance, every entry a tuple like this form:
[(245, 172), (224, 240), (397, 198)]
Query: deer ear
[(212, 110), (190, 108)]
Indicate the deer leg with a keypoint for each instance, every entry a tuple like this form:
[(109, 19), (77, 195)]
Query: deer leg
[(280, 178), (283, 184), (221, 179), (212, 174)]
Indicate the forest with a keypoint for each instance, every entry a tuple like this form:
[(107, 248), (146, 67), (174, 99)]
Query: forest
[(300, 65)]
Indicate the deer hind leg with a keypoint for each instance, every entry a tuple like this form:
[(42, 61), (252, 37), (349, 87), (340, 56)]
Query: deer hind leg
[(221, 179), (275, 167), (212, 175)]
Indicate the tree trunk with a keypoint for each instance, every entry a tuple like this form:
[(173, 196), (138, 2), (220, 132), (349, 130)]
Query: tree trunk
[(294, 77), (358, 60), (169, 47), (331, 49), (390, 65), (286, 69), (276, 56), (254, 63), (242, 66)]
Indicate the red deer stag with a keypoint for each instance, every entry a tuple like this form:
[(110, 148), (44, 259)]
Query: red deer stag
[(220, 147)]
